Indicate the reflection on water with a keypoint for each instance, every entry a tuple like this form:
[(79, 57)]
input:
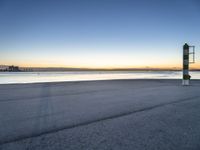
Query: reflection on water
[(31, 77)]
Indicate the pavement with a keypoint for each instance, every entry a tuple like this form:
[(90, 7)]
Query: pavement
[(100, 115)]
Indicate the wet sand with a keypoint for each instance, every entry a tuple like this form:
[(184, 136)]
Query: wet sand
[(110, 114)]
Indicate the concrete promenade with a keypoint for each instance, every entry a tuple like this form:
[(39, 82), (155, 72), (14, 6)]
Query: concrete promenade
[(100, 115)]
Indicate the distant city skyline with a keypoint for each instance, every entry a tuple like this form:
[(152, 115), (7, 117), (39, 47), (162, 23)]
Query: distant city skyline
[(98, 33)]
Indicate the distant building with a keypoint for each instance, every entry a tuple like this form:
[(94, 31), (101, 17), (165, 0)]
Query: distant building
[(13, 69), (3, 68)]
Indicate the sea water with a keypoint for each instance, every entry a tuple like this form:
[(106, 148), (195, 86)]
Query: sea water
[(34, 77)]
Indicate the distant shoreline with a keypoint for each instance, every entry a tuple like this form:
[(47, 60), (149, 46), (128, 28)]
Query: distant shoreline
[(109, 70), (117, 69), (12, 68)]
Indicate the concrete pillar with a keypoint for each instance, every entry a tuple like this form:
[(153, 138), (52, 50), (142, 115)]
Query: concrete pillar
[(186, 76)]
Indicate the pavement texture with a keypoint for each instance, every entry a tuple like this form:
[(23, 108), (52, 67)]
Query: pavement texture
[(100, 115)]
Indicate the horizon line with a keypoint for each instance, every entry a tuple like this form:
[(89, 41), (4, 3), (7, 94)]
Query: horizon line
[(52, 68)]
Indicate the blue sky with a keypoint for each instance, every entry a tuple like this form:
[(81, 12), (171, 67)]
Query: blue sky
[(98, 33)]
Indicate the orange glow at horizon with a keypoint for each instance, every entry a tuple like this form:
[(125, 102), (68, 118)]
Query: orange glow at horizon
[(99, 66), (97, 60)]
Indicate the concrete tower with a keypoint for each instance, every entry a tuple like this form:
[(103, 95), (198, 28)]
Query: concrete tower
[(186, 62)]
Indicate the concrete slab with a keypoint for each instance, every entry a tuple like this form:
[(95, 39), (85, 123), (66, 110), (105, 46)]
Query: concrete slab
[(114, 114)]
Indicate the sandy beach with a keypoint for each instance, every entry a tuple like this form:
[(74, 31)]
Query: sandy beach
[(100, 115)]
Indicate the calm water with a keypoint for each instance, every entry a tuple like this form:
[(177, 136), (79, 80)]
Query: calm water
[(31, 77)]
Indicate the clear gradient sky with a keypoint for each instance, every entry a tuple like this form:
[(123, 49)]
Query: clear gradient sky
[(98, 33)]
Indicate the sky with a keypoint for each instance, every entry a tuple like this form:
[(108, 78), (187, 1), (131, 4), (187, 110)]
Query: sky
[(98, 33)]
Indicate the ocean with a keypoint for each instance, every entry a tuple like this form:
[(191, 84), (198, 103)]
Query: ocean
[(36, 77)]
